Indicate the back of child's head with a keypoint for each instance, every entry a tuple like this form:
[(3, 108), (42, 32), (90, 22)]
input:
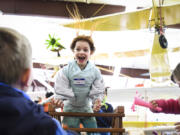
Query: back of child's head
[(83, 38), (15, 55), (176, 73)]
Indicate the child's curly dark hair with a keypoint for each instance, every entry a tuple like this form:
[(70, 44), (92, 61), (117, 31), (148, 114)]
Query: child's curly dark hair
[(83, 38)]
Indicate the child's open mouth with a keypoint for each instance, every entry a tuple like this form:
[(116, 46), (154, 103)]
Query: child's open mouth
[(81, 59)]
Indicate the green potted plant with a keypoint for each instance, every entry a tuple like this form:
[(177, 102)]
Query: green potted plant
[(54, 45)]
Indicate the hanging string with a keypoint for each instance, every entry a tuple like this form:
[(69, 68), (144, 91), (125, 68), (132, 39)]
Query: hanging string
[(94, 14), (161, 25)]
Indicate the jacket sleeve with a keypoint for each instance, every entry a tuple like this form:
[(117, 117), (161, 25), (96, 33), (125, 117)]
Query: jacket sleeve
[(97, 89), (62, 87), (48, 126), (169, 106)]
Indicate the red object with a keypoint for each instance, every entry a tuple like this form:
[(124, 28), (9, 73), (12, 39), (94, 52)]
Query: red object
[(46, 107), (139, 85), (140, 102), (168, 106)]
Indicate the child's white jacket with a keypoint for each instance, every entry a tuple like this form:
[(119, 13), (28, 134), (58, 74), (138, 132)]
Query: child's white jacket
[(79, 87)]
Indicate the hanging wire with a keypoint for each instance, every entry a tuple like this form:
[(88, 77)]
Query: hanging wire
[(161, 25)]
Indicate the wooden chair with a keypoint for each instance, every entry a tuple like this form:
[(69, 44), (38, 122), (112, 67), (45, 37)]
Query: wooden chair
[(116, 128)]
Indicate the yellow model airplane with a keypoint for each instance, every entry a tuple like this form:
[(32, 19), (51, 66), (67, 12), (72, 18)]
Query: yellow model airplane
[(163, 13)]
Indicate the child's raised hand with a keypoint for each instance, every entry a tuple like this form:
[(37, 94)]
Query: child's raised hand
[(154, 105), (97, 105), (57, 103)]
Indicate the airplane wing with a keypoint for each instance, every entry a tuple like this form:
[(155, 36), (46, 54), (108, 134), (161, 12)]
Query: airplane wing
[(128, 20), (114, 22), (171, 14)]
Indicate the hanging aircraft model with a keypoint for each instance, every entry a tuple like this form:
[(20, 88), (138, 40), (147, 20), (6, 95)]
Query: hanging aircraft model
[(162, 14)]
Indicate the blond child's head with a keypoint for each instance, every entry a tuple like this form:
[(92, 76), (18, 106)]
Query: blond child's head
[(15, 57)]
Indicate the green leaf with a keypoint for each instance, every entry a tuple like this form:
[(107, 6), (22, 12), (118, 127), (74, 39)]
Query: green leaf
[(48, 46), (49, 36), (53, 43), (60, 46)]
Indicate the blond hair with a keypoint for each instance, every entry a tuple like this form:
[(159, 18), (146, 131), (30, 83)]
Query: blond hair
[(15, 55)]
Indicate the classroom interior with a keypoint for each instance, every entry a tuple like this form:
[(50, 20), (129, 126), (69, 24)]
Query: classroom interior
[(124, 56)]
